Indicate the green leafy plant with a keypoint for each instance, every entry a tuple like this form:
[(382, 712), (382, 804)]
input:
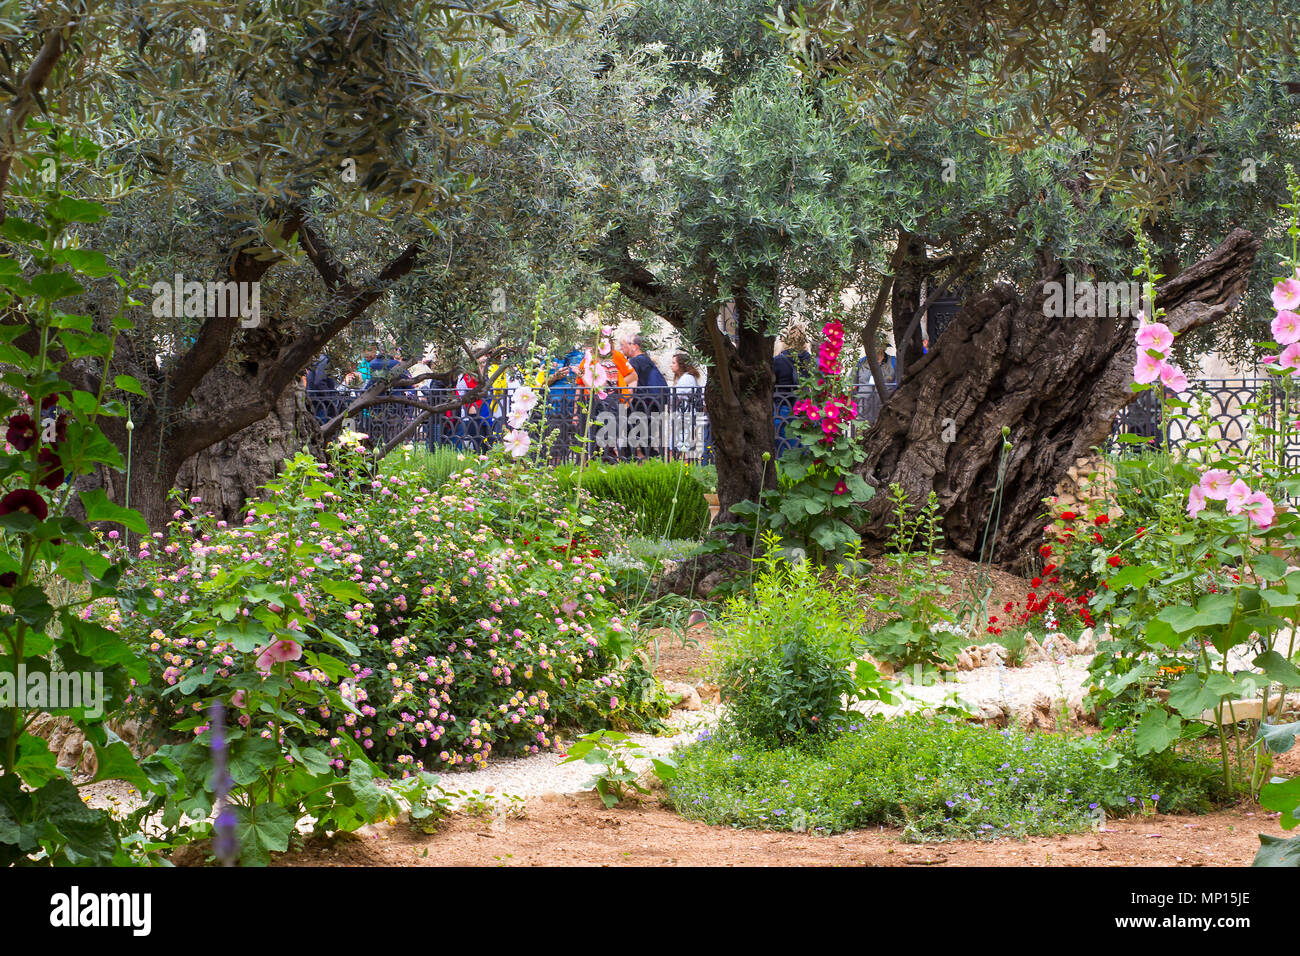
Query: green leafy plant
[(788, 659), (52, 563), (612, 753), (935, 778), (923, 631), (1281, 795), (662, 498)]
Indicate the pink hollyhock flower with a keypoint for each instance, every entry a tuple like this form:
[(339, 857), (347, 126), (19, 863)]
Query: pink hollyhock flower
[(1260, 508), (517, 443), (525, 399), (1171, 376), (1286, 327), (1195, 501), (814, 413), (238, 698), (1155, 335), (1269, 359), (1148, 368), (830, 428), (1290, 357), (1214, 484), (277, 653), (1238, 492), (1286, 294)]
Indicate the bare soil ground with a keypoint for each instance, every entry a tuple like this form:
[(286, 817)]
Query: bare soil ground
[(577, 830)]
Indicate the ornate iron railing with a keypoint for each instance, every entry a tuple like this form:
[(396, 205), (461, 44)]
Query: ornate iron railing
[(675, 424)]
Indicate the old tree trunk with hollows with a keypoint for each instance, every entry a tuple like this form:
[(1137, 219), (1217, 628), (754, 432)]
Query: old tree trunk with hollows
[(1057, 383)]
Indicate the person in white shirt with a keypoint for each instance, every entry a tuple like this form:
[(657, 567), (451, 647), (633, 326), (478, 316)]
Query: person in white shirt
[(687, 405)]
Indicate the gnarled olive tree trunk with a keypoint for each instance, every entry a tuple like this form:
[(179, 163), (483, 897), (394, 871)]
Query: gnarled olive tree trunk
[(1057, 383)]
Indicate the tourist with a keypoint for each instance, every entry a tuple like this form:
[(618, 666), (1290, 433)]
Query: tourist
[(687, 401), (789, 365)]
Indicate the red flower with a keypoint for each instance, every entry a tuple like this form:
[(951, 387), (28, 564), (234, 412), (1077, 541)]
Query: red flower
[(8, 579), (1036, 583), (1114, 560), (25, 500), (1068, 516), (1140, 532), (1096, 536), (53, 474), (1049, 569), (22, 432), (841, 488), (1045, 551), (1102, 519)]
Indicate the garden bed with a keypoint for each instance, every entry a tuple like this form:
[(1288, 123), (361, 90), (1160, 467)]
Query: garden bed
[(577, 830)]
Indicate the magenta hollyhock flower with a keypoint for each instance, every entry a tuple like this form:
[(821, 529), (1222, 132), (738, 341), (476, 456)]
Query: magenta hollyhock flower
[(1214, 484), (1195, 501), (1286, 327), (1148, 368), (1238, 492), (1286, 294), (1155, 335), (841, 488)]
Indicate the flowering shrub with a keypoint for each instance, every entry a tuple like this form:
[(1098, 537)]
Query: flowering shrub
[(1082, 548), (819, 490), (476, 615), (1054, 611), (1210, 598)]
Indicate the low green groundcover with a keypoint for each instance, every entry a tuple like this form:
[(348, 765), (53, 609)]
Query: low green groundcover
[(937, 779)]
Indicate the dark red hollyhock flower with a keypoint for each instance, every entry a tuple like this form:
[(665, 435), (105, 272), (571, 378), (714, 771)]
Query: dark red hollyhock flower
[(1114, 560), (22, 432), (1102, 519), (49, 401), (8, 579), (26, 500), (53, 474)]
